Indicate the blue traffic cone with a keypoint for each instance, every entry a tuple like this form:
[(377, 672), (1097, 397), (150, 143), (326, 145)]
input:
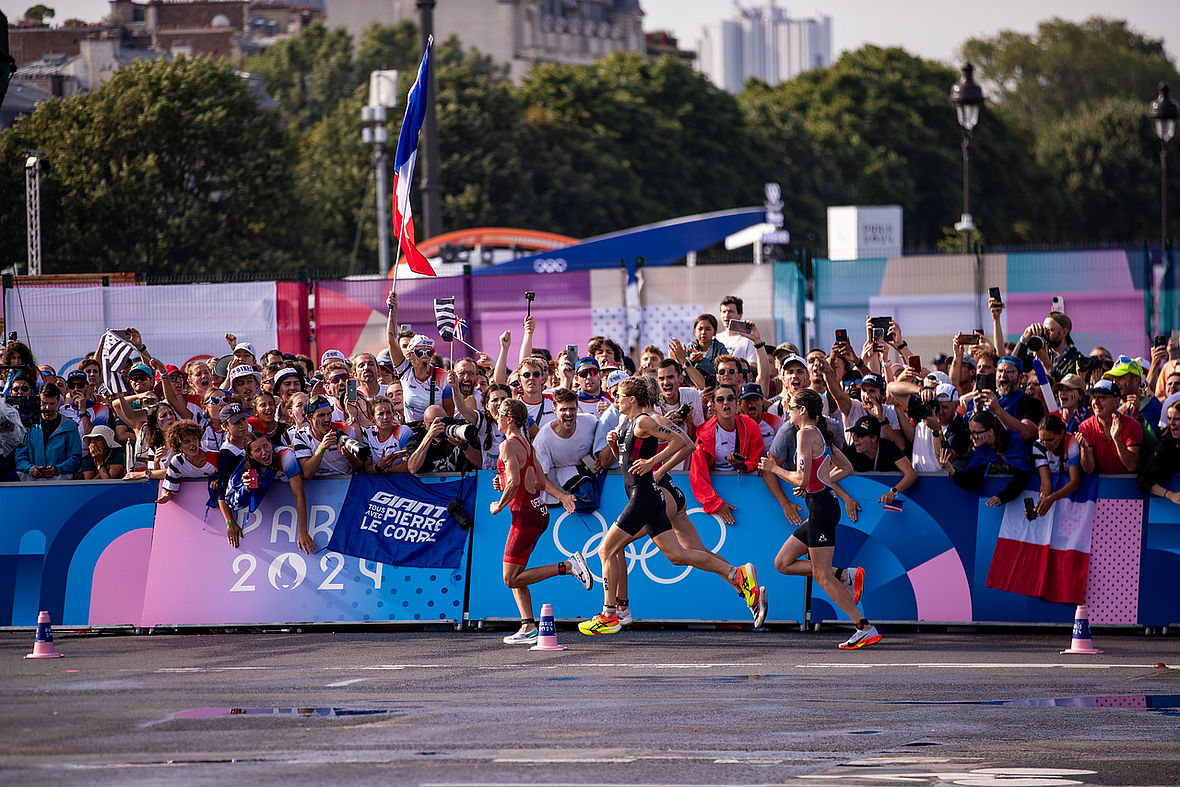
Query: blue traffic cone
[(547, 636)]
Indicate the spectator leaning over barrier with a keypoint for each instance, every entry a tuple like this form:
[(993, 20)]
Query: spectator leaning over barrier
[(188, 459), (261, 466), (727, 441), (608, 421), (871, 454), (994, 451), (265, 419), (317, 445), (736, 343), (1155, 473), (150, 451), (435, 449), (1017, 411), (1072, 401), (1058, 461), (1110, 441), (1127, 374), (104, 457), (52, 449), (387, 440), (676, 397), (563, 447), (752, 404)]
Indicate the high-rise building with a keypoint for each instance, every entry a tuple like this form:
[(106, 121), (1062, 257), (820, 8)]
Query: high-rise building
[(762, 42), (516, 32)]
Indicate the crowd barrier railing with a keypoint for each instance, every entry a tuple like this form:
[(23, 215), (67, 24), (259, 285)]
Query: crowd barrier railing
[(104, 554)]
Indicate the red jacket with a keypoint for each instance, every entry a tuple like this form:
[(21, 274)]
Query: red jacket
[(749, 445)]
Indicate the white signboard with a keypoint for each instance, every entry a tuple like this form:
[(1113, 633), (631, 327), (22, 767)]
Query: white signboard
[(857, 232)]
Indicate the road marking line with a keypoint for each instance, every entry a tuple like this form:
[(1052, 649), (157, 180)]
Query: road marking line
[(977, 665), (344, 683)]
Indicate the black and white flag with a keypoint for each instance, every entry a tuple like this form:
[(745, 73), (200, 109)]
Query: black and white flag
[(114, 353), (444, 316)]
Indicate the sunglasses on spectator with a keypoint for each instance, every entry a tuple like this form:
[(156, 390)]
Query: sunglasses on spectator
[(78, 385), (726, 371), (215, 399), (338, 378), (529, 375), (588, 373), (795, 407), (514, 384), (422, 353), (136, 377)]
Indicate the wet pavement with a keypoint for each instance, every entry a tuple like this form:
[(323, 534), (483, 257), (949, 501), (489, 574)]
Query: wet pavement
[(638, 708)]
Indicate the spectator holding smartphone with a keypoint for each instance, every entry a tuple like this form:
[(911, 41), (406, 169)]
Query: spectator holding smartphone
[(52, 448), (736, 341), (387, 440), (727, 441), (1058, 461), (1016, 410), (704, 350), (994, 450)]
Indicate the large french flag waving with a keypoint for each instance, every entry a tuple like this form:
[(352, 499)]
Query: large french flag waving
[(1049, 556), (403, 163)]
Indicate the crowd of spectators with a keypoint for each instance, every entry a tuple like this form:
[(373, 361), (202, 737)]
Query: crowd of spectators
[(248, 420)]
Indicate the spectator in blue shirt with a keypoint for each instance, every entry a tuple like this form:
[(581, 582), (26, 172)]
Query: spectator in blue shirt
[(52, 448)]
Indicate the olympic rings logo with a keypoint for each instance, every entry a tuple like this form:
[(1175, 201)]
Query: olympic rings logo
[(633, 555), (550, 265)]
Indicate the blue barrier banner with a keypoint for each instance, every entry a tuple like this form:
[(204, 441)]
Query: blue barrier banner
[(657, 590), (196, 578), (77, 550), (398, 520)]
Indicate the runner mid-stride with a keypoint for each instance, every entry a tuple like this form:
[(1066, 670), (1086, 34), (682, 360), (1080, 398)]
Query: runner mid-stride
[(521, 481), (643, 467)]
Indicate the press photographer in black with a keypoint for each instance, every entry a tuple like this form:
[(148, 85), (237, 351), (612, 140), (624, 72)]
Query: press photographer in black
[(442, 444)]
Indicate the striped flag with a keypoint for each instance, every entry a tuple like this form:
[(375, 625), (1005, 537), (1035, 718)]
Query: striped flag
[(403, 163), (894, 506), (444, 318), (114, 353), (1051, 405)]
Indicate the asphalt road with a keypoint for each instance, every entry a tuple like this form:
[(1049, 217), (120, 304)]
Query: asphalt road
[(637, 708)]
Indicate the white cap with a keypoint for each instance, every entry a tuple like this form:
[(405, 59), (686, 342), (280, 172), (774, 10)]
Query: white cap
[(945, 392), (939, 377), (419, 341), (330, 355), (615, 377), (245, 346), (243, 371)]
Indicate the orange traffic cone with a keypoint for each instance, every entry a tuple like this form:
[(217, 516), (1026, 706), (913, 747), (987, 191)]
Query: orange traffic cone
[(547, 638), (43, 644), (1081, 633)]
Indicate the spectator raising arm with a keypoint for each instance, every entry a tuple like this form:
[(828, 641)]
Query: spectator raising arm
[(396, 356), (500, 371), (526, 346)]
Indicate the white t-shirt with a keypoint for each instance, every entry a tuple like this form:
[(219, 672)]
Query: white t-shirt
[(688, 395), (857, 411), (558, 456), (397, 441), (417, 394), (542, 412), (724, 444), (738, 345)]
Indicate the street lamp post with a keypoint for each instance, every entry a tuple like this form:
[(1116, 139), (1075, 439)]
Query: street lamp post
[(1164, 111), (374, 134), (33, 212), (967, 98)]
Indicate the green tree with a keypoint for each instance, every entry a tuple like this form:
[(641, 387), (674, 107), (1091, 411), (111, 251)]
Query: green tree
[(1065, 66), (39, 13), (885, 134), (384, 47), (657, 138), (1106, 169), (168, 168), (309, 73)]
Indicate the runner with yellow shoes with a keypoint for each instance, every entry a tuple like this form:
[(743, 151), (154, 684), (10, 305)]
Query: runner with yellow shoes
[(643, 469)]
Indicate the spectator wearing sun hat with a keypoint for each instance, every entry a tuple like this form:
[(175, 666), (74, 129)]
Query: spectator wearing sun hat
[(1071, 401), (105, 458)]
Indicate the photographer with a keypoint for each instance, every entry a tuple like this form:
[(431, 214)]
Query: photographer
[(318, 445), (443, 445), (1016, 410), (937, 424), (871, 454)]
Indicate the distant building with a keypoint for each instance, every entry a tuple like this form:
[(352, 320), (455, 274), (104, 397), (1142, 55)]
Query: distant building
[(661, 42), (515, 32), (764, 43)]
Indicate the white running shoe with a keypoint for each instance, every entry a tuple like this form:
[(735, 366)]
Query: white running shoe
[(523, 638), (579, 569), (624, 616), (760, 606), (861, 638)]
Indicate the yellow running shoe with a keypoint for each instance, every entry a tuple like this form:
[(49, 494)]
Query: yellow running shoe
[(747, 579), (600, 624)]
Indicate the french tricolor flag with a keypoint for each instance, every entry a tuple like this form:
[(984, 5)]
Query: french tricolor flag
[(403, 163), (1049, 556)]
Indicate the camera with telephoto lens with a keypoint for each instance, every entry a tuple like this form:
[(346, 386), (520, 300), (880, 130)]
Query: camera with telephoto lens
[(683, 411), (917, 410), (458, 429), (1034, 343), (353, 447)]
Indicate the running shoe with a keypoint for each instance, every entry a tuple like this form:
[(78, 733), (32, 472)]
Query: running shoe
[(600, 624), (523, 638), (579, 569), (759, 607), (624, 616), (861, 638), (747, 579), (854, 578)]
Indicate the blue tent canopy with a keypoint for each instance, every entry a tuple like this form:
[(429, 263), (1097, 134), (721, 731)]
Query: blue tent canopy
[(659, 243)]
